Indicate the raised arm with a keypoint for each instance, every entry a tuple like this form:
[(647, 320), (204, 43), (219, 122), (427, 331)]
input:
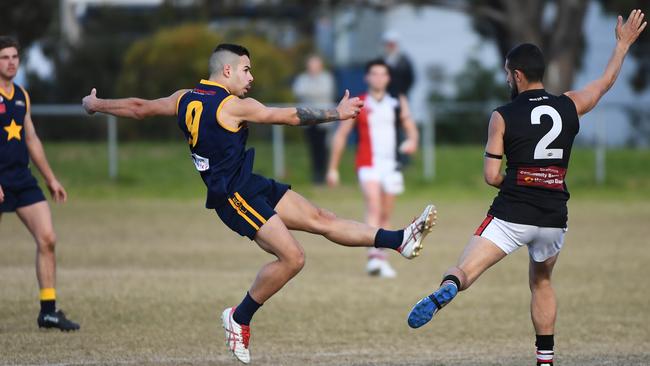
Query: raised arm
[(587, 98), (410, 145), (494, 151), (135, 108), (338, 146), (237, 110)]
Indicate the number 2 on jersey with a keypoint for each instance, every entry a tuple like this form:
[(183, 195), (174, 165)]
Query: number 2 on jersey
[(541, 150), (192, 120)]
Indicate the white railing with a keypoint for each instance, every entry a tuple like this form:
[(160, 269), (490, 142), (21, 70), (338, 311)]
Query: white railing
[(279, 159)]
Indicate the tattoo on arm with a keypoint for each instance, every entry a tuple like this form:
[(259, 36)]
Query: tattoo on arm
[(312, 116)]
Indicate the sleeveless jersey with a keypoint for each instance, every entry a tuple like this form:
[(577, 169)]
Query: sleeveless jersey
[(539, 133), (377, 129), (14, 157), (218, 151)]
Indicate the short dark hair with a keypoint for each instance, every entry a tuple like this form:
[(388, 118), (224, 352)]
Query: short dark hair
[(528, 59), (8, 41), (234, 48), (376, 62)]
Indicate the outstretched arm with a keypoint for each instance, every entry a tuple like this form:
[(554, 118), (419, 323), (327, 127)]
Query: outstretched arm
[(494, 151), (132, 107), (587, 98), (338, 146), (250, 110)]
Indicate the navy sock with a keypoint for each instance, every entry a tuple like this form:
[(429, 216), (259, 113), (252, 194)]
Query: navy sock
[(48, 306), (245, 311), (453, 279), (389, 238)]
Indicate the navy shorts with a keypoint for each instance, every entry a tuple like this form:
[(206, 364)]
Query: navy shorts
[(17, 197), (248, 208)]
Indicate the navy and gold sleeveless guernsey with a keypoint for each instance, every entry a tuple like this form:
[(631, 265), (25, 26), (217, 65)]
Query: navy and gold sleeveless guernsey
[(18, 183), (539, 132), (244, 201)]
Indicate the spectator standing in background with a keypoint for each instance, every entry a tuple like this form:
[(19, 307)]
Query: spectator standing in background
[(401, 68), (315, 86)]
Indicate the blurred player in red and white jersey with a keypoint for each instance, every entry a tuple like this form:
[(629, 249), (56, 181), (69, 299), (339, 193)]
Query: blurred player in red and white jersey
[(378, 150)]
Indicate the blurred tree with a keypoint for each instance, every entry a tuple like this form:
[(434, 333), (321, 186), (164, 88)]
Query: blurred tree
[(554, 25), (462, 118), (641, 49), (176, 58), (26, 20)]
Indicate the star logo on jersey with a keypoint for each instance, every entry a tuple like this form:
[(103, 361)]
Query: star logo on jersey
[(13, 131)]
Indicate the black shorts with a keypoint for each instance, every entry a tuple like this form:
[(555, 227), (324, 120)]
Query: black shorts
[(17, 197), (247, 209)]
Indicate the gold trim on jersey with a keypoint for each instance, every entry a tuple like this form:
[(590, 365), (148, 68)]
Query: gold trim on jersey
[(9, 96), (28, 101), (178, 101), (210, 82), (227, 128)]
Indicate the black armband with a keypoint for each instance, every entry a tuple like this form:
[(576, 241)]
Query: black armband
[(493, 156)]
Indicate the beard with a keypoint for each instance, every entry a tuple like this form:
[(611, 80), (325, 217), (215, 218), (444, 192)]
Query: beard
[(514, 91)]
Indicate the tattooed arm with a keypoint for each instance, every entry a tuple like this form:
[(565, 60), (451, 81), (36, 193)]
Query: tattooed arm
[(238, 110)]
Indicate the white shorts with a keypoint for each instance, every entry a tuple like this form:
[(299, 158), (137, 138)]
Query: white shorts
[(390, 179), (542, 242)]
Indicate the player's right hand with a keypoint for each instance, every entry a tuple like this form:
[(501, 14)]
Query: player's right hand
[(349, 107), (332, 178), (89, 102), (2, 195), (628, 33)]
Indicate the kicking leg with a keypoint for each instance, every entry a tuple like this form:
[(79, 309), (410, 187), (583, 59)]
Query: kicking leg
[(479, 255), (38, 220), (543, 308), (299, 214)]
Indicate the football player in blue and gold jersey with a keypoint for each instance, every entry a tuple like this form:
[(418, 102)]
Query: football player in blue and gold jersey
[(19, 191), (214, 117)]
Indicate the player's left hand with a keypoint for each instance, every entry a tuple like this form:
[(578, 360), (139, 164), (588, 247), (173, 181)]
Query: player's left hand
[(349, 107), (59, 195), (628, 33), (408, 147), (89, 102)]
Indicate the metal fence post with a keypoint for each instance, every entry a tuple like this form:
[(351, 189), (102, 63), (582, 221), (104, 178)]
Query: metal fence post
[(111, 124), (428, 147), (279, 171)]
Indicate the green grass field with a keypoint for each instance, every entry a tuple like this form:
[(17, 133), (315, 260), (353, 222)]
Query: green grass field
[(163, 170), (147, 270)]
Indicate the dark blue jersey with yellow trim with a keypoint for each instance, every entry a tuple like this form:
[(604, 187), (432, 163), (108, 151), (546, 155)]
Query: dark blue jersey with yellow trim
[(14, 157), (219, 152)]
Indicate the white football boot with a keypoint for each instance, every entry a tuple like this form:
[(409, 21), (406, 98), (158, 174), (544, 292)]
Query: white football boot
[(237, 336), (416, 231)]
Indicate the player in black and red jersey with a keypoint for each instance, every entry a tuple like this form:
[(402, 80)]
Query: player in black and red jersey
[(535, 132)]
